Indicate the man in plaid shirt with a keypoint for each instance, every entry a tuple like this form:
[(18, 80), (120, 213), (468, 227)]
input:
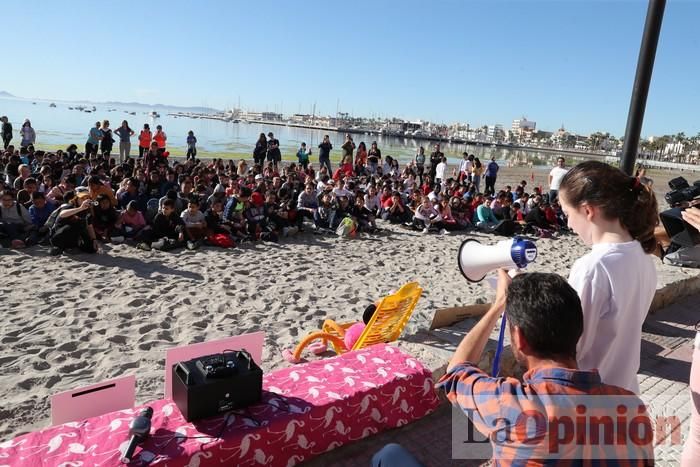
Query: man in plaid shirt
[(558, 415)]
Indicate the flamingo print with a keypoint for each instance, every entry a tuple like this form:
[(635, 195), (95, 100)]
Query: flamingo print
[(349, 381), (397, 394), (195, 459), (294, 460), (287, 407), (341, 428), (9, 444), (332, 410), (379, 361), (77, 448), (327, 367), (313, 391), (364, 404), (289, 431), (382, 372), (113, 426), (244, 447), (347, 370), (167, 409), (260, 457), (55, 442), (302, 442), (365, 433), (377, 416), (404, 406), (411, 362), (362, 359), (334, 395)]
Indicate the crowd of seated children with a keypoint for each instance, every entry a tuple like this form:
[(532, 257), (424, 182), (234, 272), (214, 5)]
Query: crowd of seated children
[(69, 201)]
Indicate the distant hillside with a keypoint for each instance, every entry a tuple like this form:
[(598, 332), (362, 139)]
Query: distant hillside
[(115, 104)]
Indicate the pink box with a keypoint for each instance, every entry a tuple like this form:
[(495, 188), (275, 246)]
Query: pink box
[(252, 342), (90, 401)]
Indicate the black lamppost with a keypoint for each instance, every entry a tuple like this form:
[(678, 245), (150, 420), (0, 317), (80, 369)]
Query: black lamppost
[(645, 66)]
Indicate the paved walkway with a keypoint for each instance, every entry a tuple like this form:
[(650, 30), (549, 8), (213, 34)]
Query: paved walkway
[(667, 347)]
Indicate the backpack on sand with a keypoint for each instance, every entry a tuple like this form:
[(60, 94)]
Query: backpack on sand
[(347, 228)]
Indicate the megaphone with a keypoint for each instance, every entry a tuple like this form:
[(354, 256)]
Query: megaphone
[(476, 260)]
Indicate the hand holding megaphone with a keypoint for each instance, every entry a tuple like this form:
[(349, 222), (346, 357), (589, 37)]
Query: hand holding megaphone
[(476, 260)]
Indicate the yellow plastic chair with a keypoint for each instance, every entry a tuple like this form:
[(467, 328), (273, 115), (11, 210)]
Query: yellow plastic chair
[(386, 325)]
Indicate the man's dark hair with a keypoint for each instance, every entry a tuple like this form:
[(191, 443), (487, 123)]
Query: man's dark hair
[(94, 180), (548, 312), (169, 203), (38, 195)]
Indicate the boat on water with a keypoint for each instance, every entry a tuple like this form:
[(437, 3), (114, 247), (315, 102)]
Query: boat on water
[(94, 109), (70, 108), (33, 103), (154, 114), (52, 105), (132, 113), (421, 134)]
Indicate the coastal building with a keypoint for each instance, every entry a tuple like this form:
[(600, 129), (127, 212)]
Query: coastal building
[(674, 149), (495, 132), (271, 117), (521, 124), (523, 130)]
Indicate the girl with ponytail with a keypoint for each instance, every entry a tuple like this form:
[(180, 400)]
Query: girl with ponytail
[(615, 215)]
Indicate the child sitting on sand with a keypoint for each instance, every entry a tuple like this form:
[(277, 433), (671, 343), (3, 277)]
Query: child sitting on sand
[(105, 221), (363, 216), (325, 211), (39, 212), (427, 217), (132, 221), (195, 224), (167, 229)]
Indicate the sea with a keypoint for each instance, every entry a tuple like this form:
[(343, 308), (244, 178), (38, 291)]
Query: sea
[(60, 126)]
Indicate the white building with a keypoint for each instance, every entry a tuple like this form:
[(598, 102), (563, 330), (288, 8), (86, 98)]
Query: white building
[(521, 124), (495, 132)]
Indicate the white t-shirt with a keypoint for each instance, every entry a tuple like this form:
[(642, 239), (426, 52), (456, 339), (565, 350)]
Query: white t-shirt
[(616, 283), (440, 170), (465, 166), (557, 173)]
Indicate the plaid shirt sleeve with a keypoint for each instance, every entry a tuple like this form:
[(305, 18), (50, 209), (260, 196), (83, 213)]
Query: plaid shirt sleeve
[(484, 399)]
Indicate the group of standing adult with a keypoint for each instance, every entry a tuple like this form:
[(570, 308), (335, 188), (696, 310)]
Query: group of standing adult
[(27, 133), (267, 148), (100, 139)]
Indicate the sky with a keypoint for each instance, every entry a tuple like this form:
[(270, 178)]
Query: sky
[(478, 62)]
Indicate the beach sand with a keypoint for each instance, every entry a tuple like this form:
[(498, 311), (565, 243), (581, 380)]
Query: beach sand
[(76, 320)]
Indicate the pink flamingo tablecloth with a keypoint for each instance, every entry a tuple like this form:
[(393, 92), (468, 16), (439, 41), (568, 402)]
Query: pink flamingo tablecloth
[(306, 410)]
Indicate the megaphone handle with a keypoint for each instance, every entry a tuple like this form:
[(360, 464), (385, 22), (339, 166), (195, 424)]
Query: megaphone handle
[(499, 348)]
